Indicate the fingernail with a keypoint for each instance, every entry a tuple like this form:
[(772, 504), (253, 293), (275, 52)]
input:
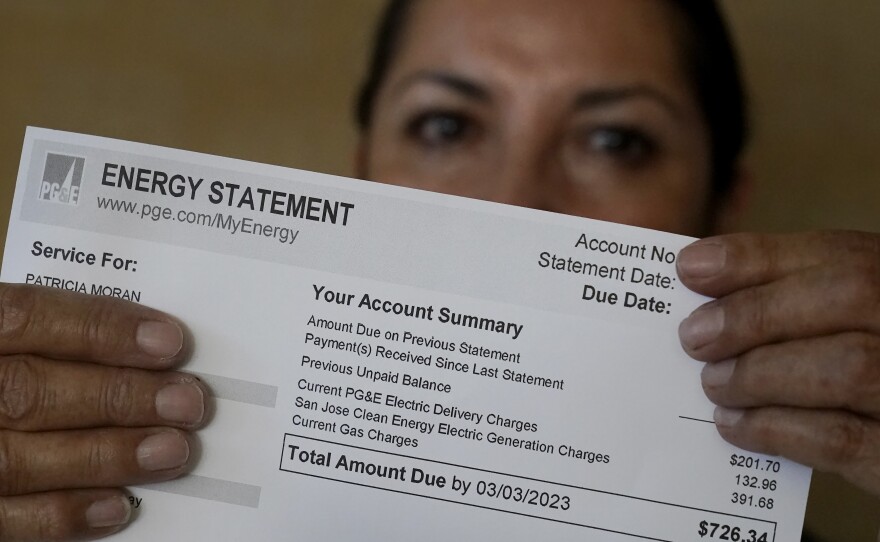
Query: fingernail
[(701, 260), (716, 375), (162, 451), (703, 326), (160, 339), (108, 513), (181, 403), (728, 417)]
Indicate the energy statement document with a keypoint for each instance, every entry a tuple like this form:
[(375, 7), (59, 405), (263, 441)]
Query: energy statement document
[(392, 364)]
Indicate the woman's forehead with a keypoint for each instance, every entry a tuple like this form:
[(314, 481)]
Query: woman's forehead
[(582, 42)]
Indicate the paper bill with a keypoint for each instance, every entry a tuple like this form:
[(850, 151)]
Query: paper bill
[(391, 364)]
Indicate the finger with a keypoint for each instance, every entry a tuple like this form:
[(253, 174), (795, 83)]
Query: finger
[(42, 395), (818, 301), (63, 515), (717, 266), (829, 440), (67, 325), (836, 372), (35, 462)]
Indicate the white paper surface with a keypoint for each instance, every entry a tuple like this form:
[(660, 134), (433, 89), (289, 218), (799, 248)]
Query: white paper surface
[(499, 404)]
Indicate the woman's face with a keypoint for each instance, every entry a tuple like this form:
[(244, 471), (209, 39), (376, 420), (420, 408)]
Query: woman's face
[(581, 107)]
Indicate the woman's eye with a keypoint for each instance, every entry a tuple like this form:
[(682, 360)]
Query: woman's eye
[(627, 144), (438, 129)]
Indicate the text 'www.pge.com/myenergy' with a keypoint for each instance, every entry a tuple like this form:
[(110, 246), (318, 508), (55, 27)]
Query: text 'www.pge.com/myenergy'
[(221, 221)]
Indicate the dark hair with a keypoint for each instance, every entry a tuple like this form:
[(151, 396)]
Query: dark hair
[(388, 36), (710, 58)]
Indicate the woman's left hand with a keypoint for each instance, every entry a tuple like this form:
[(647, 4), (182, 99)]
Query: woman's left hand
[(792, 344)]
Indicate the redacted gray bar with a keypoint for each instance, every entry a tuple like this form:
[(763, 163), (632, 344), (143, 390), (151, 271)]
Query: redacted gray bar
[(212, 489), (242, 391)]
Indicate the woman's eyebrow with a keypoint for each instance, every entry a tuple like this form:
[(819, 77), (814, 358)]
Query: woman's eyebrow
[(461, 85), (593, 98)]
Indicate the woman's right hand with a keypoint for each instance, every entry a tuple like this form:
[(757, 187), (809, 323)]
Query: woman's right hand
[(87, 405)]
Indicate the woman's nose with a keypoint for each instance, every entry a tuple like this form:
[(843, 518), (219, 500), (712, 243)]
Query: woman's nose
[(519, 178), (529, 175)]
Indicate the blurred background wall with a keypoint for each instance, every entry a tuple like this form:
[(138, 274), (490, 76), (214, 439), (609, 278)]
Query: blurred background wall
[(272, 81)]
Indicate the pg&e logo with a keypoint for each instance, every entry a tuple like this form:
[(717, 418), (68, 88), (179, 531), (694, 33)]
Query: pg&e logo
[(62, 178)]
